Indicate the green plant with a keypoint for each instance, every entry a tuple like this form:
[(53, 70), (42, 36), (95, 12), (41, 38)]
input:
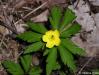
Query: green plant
[(53, 41), (95, 72), (23, 67)]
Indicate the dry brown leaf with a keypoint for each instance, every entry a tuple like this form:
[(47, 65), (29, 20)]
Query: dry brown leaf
[(19, 4), (53, 2), (42, 17), (4, 30), (35, 60)]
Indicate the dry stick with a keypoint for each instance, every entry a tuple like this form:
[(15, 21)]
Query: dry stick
[(34, 10), (3, 37), (27, 8), (11, 22), (6, 17), (31, 12), (2, 42), (89, 60), (8, 27), (76, 3)]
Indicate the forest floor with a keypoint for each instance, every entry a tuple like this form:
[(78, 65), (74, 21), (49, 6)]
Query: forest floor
[(14, 13)]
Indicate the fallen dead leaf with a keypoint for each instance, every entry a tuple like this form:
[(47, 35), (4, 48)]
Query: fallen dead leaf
[(42, 17)]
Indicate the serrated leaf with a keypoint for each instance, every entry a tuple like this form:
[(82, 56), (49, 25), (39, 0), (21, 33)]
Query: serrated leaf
[(67, 58), (26, 62), (37, 27), (30, 36), (68, 17), (13, 68), (35, 71), (55, 17), (33, 47), (67, 43), (51, 60), (72, 30)]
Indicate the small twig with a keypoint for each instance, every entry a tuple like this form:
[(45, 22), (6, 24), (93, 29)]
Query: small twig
[(8, 27), (76, 4), (11, 26), (31, 12), (2, 40), (8, 19), (79, 72), (20, 53), (34, 10), (27, 8), (5, 45)]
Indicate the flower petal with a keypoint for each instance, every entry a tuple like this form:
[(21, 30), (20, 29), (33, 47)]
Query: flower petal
[(45, 38), (57, 41), (56, 33), (50, 44), (49, 33)]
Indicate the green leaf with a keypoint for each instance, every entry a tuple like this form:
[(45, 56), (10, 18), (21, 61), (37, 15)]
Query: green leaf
[(72, 30), (68, 44), (95, 71), (37, 27), (35, 71), (55, 17), (51, 60), (46, 52), (33, 47), (30, 36), (26, 61), (57, 66), (13, 68), (68, 17), (62, 73), (67, 58)]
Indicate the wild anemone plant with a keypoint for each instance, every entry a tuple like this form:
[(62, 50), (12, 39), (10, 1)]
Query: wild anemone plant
[(55, 42)]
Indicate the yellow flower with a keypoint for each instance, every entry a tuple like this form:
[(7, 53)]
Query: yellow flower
[(52, 38)]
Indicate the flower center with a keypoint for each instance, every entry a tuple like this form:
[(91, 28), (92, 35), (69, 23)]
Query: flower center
[(52, 37)]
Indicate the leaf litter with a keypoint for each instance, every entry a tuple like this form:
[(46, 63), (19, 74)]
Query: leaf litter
[(13, 22)]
